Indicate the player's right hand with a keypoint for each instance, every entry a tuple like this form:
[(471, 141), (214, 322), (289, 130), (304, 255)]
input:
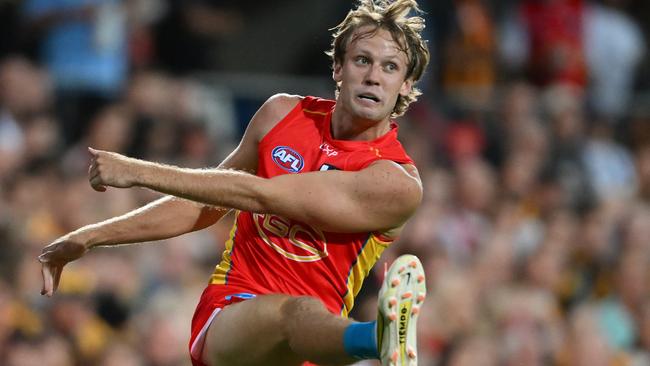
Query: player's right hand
[(54, 257), (110, 169)]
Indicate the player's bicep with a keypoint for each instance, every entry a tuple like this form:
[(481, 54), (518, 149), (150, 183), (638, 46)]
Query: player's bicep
[(378, 198), (383, 197)]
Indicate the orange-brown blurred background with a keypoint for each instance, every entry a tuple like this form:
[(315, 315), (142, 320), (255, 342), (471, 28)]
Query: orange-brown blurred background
[(532, 139)]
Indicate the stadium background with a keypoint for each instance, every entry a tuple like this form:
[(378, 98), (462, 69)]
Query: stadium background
[(532, 138)]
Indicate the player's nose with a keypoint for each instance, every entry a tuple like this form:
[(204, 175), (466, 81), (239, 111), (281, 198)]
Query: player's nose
[(371, 76)]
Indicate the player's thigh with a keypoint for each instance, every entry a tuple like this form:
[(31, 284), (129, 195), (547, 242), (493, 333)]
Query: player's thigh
[(249, 333)]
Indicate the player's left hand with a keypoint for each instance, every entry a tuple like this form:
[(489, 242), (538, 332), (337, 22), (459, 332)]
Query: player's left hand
[(111, 169), (55, 256)]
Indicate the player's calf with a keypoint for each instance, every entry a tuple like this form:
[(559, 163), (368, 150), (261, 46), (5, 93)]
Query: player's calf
[(314, 333)]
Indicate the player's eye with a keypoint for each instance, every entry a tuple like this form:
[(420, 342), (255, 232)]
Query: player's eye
[(362, 60)]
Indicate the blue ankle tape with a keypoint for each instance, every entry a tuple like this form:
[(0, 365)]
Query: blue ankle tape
[(360, 340)]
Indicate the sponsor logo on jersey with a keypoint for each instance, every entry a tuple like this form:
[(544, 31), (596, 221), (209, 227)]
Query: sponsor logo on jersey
[(328, 149), (288, 159)]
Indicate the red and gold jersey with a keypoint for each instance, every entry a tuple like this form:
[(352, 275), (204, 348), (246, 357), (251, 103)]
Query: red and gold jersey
[(272, 254)]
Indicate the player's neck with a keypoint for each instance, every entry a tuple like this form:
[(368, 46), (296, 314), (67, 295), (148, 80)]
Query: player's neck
[(345, 126)]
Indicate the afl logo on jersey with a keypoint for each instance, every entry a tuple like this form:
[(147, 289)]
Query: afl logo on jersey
[(288, 159)]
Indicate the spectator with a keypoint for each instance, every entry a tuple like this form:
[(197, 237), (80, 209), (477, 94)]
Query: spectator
[(545, 38), (613, 45), (468, 58), (84, 48)]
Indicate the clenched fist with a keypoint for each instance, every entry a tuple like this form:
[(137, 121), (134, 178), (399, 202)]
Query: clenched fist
[(111, 169)]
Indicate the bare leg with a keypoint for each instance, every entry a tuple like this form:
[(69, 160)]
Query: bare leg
[(276, 330)]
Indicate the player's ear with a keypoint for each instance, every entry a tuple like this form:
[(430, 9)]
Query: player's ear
[(406, 88), (337, 71)]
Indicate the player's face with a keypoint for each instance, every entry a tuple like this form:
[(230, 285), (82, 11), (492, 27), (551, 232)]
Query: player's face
[(372, 75)]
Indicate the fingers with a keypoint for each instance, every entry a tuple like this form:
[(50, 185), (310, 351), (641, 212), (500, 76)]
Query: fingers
[(48, 283), (109, 169), (93, 172), (51, 278), (57, 277), (96, 183), (47, 253), (94, 178), (46, 272), (53, 259)]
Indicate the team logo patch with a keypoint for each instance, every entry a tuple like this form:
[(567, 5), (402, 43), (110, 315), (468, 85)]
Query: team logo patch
[(288, 159), (295, 241)]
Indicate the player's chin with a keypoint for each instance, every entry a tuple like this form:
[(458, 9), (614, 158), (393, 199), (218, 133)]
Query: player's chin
[(371, 114)]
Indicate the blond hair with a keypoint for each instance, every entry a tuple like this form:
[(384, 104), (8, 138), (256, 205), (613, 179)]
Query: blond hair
[(392, 16)]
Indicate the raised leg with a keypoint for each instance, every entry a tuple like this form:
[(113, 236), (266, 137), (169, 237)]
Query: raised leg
[(276, 330)]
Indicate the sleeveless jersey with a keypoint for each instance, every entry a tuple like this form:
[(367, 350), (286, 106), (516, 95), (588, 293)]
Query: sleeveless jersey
[(272, 254)]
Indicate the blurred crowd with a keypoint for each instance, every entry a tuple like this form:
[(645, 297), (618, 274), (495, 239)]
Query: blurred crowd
[(532, 140)]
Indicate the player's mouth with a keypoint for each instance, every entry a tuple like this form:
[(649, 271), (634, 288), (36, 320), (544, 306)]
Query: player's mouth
[(368, 98)]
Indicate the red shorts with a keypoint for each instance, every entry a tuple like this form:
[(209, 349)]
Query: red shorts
[(213, 299)]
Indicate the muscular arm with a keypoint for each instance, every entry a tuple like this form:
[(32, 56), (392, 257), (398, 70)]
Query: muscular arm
[(164, 218), (172, 216), (161, 219), (378, 198), (167, 217)]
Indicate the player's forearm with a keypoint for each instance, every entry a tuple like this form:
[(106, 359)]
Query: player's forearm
[(219, 187), (161, 219)]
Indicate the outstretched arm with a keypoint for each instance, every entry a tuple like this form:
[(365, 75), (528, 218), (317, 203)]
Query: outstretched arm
[(380, 197), (165, 218), (161, 219)]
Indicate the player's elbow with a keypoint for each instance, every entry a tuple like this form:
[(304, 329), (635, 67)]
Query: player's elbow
[(412, 201), (414, 196), (399, 205)]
